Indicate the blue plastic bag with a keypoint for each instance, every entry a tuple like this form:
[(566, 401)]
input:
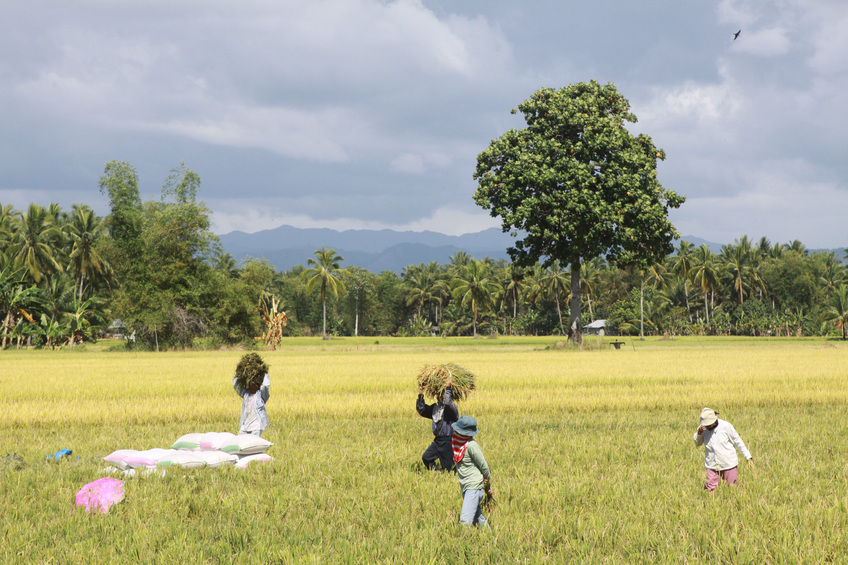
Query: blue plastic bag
[(59, 454)]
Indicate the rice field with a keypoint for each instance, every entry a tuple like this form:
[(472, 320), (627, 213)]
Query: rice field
[(591, 454)]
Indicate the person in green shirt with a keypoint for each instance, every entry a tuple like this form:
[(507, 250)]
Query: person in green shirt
[(471, 469)]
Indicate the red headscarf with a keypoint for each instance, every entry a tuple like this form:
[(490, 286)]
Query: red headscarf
[(459, 442)]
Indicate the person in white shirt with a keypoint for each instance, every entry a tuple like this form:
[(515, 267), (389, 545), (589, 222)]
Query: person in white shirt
[(720, 442), (254, 415)]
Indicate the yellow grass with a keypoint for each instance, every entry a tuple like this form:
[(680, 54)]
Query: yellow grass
[(591, 453)]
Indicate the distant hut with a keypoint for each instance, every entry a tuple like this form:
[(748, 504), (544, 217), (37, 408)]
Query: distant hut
[(598, 327), (116, 329)]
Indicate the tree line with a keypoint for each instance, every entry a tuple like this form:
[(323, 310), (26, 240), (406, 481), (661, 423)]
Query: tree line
[(67, 275)]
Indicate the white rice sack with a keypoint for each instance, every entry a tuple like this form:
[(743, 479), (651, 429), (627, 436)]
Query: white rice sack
[(184, 459), (213, 441), (247, 444), (216, 459), (188, 442), (119, 458), (243, 462), (127, 473), (147, 458)]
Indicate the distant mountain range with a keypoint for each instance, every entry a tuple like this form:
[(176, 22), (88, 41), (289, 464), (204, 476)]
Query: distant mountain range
[(375, 250)]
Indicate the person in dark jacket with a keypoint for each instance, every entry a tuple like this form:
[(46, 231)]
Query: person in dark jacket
[(443, 415)]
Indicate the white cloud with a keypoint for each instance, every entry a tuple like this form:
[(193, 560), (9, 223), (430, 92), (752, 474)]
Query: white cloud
[(740, 12), (418, 163), (830, 42), (766, 42), (408, 163), (318, 136), (777, 200), (448, 220)]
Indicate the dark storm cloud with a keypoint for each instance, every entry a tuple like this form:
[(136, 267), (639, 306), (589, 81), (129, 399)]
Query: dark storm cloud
[(366, 113)]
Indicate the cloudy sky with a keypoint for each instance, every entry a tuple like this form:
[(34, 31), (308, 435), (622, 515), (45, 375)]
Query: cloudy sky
[(370, 114)]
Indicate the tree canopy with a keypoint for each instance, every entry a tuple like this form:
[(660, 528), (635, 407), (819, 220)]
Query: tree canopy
[(575, 184)]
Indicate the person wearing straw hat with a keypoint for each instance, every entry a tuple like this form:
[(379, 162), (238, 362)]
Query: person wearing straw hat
[(472, 471), (443, 413), (720, 441)]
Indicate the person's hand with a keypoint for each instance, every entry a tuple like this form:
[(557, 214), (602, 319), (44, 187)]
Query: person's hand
[(700, 429), (449, 382)]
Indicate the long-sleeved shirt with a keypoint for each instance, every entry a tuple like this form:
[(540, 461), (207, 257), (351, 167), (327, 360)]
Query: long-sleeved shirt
[(443, 414), (260, 398), (472, 468), (720, 445)]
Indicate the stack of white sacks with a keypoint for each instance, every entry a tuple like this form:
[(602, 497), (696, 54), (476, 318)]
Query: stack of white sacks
[(192, 451)]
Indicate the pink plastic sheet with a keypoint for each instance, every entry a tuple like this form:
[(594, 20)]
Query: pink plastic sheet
[(101, 494)]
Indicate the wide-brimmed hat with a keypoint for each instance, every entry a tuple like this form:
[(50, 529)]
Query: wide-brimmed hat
[(708, 417), (466, 425)]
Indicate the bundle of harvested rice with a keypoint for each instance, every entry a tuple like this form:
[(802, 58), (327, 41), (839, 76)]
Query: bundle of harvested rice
[(432, 380), (489, 504), (250, 369)]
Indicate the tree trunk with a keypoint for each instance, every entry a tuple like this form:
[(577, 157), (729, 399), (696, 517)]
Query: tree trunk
[(356, 323), (559, 311), (575, 329), (6, 324), (686, 293), (324, 303), (641, 306)]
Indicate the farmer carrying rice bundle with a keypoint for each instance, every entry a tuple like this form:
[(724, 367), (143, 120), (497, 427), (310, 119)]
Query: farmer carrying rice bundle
[(444, 383), (251, 382), (720, 442)]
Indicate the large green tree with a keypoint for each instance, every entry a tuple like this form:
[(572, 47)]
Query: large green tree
[(576, 184)]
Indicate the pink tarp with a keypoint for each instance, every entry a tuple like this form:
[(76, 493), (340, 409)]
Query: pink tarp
[(101, 494)]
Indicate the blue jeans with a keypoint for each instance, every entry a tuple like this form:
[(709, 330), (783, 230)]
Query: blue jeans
[(471, 513)]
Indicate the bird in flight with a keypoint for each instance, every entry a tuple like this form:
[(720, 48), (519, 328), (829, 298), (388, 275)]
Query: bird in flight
[(735, 35)]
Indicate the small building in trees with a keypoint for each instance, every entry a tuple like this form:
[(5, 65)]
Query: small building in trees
[(598, 327)]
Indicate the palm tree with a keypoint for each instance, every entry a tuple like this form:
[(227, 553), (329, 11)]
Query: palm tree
[(557, 280), (837, 311), (831, 270), (418, 282), (33, 248), (84, 231), (705, 275), (590, 277), (514, 285), (798, 247), (16, 301), (475, 285), (225, 263), (459, 259), (735, 259), (681, 265), (325, 270), (8, 225), (656, 274)]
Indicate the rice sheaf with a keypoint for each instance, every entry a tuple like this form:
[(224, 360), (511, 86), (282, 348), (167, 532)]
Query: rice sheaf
[(432, 379), (250, 369)]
